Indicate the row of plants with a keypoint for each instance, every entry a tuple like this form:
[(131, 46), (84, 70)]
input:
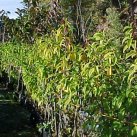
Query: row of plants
[(87, 91)]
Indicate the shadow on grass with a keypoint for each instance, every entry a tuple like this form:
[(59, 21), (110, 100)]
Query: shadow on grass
[(14, 120)]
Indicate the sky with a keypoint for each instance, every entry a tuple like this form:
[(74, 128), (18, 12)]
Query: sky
[(11, 5)]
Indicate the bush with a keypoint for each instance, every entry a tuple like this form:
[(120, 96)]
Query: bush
[(78, 90)]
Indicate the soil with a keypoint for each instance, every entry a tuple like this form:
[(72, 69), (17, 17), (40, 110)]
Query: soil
[(14, 119)]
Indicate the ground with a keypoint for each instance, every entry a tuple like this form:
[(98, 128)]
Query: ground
[(14, 119)]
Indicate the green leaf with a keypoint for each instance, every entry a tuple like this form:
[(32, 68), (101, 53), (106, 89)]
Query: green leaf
[(132, 54), (98, 36), (117, 125), (125, 40), (91, 71), (108, 55), (132, 95), (134, 131), (128, 92), (127, 28)]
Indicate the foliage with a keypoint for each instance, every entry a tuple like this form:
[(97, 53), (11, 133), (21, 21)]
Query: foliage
[(89, 91), (39, 17), (79, 90), (36, 19)]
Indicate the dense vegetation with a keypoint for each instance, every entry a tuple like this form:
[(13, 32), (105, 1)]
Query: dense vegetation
[(78, 70)]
